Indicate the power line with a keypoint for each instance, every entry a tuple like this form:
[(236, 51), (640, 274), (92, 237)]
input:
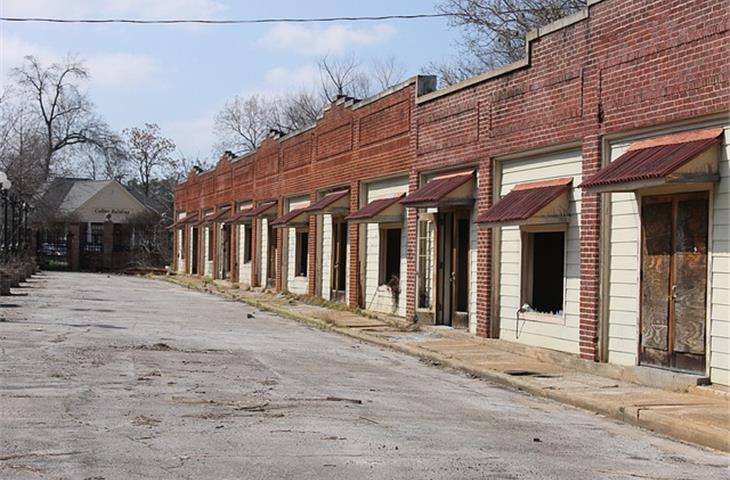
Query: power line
[(223, 22)]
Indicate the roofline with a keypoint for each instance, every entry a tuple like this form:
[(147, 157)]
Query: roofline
[(524, 62)]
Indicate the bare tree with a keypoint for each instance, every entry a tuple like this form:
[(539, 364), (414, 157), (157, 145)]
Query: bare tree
[(493, 32), (66, 114), (21, 148), (244, 122), (343, 77), (149, 154), (387, 72)]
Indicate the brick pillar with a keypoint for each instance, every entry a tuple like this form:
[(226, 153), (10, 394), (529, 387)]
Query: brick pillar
[(353, 278), (312, 251), (590, 239), (73, 246), (107, 239), (411, 232), (256, 280), (279, 245), (484, 253)]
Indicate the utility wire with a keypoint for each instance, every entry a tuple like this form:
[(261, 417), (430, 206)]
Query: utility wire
[(224, 22)]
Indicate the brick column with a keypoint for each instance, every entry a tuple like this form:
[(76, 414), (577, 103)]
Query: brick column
[(411, 232), (484, 253), (353, 277), (590, 239), (73, 246), (108, 245), (312, 251)]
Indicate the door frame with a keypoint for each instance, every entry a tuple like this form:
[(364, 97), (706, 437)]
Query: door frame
[(674, 192), (339, 225), (452, 216)]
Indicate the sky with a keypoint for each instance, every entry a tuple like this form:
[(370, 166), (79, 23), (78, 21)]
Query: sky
[(180, 76)]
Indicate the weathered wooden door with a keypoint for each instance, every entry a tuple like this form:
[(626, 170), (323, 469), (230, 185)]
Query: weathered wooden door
[(674, 281), (339, 261)]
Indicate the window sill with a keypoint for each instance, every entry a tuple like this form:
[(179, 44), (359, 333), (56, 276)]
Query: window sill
[(300, 276), (543, 317)]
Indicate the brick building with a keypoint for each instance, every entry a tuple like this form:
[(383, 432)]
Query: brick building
[(576, 200)]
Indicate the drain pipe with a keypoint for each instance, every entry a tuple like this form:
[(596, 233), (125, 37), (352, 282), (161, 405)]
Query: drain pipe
[(524, 308)]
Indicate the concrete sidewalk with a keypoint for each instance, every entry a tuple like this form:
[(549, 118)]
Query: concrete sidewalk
[(696, 414)]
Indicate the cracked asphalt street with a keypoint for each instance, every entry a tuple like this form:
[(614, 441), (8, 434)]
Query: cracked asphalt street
[(110, 377)]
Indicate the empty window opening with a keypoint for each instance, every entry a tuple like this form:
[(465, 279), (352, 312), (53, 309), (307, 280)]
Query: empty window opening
[(425, 263), (390, 239), (544, 272), (302, 253), (247, 244)]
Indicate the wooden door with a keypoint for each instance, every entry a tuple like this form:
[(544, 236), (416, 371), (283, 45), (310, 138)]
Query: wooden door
[(444, 260), (674, 281), (339, 261)]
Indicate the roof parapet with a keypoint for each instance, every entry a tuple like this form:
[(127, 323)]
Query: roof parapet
[(525, 61)]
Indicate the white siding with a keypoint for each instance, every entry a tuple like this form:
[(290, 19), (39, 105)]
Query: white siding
[(378, 297), (719, 263), (294, 284), (180, 249), (207, 264), (325, 254), (262, 241), (562, 334), (473, 269), (244, 269), (623, 274)]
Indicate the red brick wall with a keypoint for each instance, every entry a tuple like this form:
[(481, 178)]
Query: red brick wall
[(629, 65)]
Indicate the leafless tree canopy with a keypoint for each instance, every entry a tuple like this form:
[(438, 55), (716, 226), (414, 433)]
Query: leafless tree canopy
[(244, 122), (66, 115), (149, 154), (493, 32)]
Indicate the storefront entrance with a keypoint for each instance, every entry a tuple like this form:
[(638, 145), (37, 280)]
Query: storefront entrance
[(224, 258), (452, 262), (339, 261), (194, 251), (674, 281)]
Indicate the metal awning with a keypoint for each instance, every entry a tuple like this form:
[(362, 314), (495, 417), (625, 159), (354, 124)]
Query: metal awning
[(265, 208), (187, 219), (298, 217), (241, 216), (531, 203), (688, 157), (332, 203), (212, 217), (383, 210), (445, 190)]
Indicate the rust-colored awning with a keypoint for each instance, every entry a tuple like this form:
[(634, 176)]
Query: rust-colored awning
[(212, 217), (687, 157), (261, 209), (534, 203), (295, 218), (379, 211), (335, 202), (187, 219), (241, 216), (445, 190)]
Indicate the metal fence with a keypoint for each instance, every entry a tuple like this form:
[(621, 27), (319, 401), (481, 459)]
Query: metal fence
[(15, 232)]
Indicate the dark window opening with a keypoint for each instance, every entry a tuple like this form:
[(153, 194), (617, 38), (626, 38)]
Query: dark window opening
[(546, 271), (210, 244), (302, 253), (390, 239), (247, 247)]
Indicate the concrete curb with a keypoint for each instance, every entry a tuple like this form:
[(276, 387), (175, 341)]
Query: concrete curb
[(655, 421)]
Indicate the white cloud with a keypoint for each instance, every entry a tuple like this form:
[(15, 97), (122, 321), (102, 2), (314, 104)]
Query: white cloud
[(121, 69), (321, 41), (99, 8), (192, 136), (106, 69)]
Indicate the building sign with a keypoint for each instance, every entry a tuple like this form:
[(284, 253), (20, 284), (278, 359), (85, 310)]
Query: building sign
[(113, 211)]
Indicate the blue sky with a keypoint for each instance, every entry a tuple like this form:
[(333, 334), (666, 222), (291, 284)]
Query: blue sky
[(180, 76)]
